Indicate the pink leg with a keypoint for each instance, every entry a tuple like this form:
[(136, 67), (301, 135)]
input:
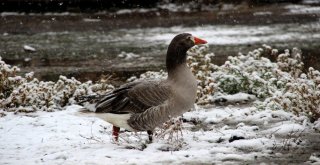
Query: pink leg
[(115, 132)]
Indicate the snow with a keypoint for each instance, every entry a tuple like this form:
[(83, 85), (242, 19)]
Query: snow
[(128, 56), (174, 7), (29, 48), (66, 137), (315, 158), (252, 144), (236, 98), (3, 14), (310, 1), (285, 130), (262, 13), (91, 20), (231, 134), (124, 11), (135, 10), (56, 14), (303, 9), (215, 35)]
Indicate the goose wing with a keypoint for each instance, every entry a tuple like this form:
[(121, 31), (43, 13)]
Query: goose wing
[(134, 97)]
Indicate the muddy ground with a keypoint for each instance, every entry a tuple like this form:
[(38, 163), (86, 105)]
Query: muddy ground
[(69, 43)]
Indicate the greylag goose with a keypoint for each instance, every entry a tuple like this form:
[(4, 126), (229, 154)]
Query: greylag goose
[(144, 105)]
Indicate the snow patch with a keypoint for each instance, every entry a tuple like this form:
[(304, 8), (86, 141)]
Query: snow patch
[(236, 98), (128, 56), (285, 129), (91, 20), (29, 48), (303, 9)]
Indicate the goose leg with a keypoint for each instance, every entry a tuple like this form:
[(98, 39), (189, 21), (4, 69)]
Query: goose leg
[(115, 133), (150, 133)]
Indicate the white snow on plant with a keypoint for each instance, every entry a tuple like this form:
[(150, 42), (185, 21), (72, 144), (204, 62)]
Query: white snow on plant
[(236, 98), (28, 94)]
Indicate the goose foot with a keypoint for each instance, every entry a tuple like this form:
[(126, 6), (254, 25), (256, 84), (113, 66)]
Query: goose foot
[(150, 135), (115, 133)]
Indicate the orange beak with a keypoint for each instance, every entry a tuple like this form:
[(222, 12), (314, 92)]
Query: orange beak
[(198, 41)]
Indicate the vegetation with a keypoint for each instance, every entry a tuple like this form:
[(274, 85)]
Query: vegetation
[(278, 85)]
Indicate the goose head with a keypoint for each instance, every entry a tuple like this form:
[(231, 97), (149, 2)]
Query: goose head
[(177, 50)]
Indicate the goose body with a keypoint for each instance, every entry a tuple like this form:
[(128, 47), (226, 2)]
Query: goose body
[(146, 104)]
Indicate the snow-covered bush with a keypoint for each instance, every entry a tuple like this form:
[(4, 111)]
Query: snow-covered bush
[(28, 94), (201, 64), (149, 75), (297, 91), (8, 79), (300, 95), (281, 84), (250, 73), (290, 62)]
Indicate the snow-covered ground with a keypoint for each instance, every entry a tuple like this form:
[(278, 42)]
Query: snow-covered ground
[(231, 134)]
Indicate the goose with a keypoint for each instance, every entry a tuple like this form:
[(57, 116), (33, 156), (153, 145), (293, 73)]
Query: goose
[(146, 104)]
